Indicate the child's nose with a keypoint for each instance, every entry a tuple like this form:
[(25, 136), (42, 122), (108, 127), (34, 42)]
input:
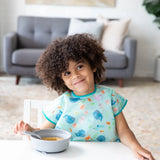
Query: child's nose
[(75, 74)]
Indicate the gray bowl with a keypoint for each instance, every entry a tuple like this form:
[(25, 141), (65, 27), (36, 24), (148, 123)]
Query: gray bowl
[(51, 146)]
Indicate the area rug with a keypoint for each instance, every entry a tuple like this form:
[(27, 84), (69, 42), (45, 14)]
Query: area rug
[(142, 111)]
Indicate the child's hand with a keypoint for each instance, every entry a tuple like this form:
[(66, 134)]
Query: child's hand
[(142, 154), (22, 126)]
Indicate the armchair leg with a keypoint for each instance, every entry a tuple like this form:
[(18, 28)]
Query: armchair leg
[(17, 79), (120, 82)]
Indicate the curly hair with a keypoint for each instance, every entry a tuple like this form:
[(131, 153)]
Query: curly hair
[(55, 59)]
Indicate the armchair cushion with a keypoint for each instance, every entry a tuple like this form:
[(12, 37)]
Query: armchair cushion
[(115, 60), (26, 57)]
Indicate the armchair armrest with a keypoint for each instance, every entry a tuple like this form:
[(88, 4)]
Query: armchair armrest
[(130, 49), (9, 45)]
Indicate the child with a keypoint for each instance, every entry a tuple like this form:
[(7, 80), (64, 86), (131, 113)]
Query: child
[(73, 66)]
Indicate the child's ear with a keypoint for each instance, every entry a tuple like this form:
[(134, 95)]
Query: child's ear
[(94, 69)]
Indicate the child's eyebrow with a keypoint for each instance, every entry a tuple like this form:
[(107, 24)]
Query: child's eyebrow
[(80, 61)]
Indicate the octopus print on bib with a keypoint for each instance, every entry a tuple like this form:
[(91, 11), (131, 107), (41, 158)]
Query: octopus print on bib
[(90, 117)]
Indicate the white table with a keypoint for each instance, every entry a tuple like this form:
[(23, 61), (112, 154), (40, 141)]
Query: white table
[(22, 150)]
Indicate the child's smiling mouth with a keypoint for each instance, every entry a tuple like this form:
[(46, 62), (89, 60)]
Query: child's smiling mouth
[(78, 82)]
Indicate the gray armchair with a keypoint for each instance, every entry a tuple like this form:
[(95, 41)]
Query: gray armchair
[(23, 48), (121, 66)]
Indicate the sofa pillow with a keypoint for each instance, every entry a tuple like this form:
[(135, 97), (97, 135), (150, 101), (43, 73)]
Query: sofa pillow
[(102, 20), (90, 27), (113, 34)]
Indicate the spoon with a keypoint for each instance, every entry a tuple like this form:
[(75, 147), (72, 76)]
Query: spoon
[(32, 134)]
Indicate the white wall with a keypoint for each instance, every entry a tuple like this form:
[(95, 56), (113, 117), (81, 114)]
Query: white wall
[(141, 27)]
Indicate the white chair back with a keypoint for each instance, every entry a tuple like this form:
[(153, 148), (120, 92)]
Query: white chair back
[(34, 104)]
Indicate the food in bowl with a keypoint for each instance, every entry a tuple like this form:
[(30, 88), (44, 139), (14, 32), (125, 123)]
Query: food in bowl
[(51, 146), (52, 138)]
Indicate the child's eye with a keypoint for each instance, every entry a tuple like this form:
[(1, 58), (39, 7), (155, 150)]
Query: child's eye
[(67, 73), (79, 67)]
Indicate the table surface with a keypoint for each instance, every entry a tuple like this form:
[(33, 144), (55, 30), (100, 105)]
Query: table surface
[(20, 149)]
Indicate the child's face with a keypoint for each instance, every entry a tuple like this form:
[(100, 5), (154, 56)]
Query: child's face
[(79, 77)]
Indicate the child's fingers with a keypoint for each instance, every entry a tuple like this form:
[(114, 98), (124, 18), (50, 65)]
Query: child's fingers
[(26, 127), (20, 126), (15, 129), (146, 154), (138, 156)]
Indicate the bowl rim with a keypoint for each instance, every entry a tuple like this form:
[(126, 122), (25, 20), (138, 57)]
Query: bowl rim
[(50, 129)]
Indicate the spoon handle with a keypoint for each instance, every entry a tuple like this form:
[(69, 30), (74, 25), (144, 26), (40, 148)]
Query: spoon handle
[(31, 134)]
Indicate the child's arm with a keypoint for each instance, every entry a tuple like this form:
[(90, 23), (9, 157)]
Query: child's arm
[(128, 138), (46, 124), (22, 126)]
